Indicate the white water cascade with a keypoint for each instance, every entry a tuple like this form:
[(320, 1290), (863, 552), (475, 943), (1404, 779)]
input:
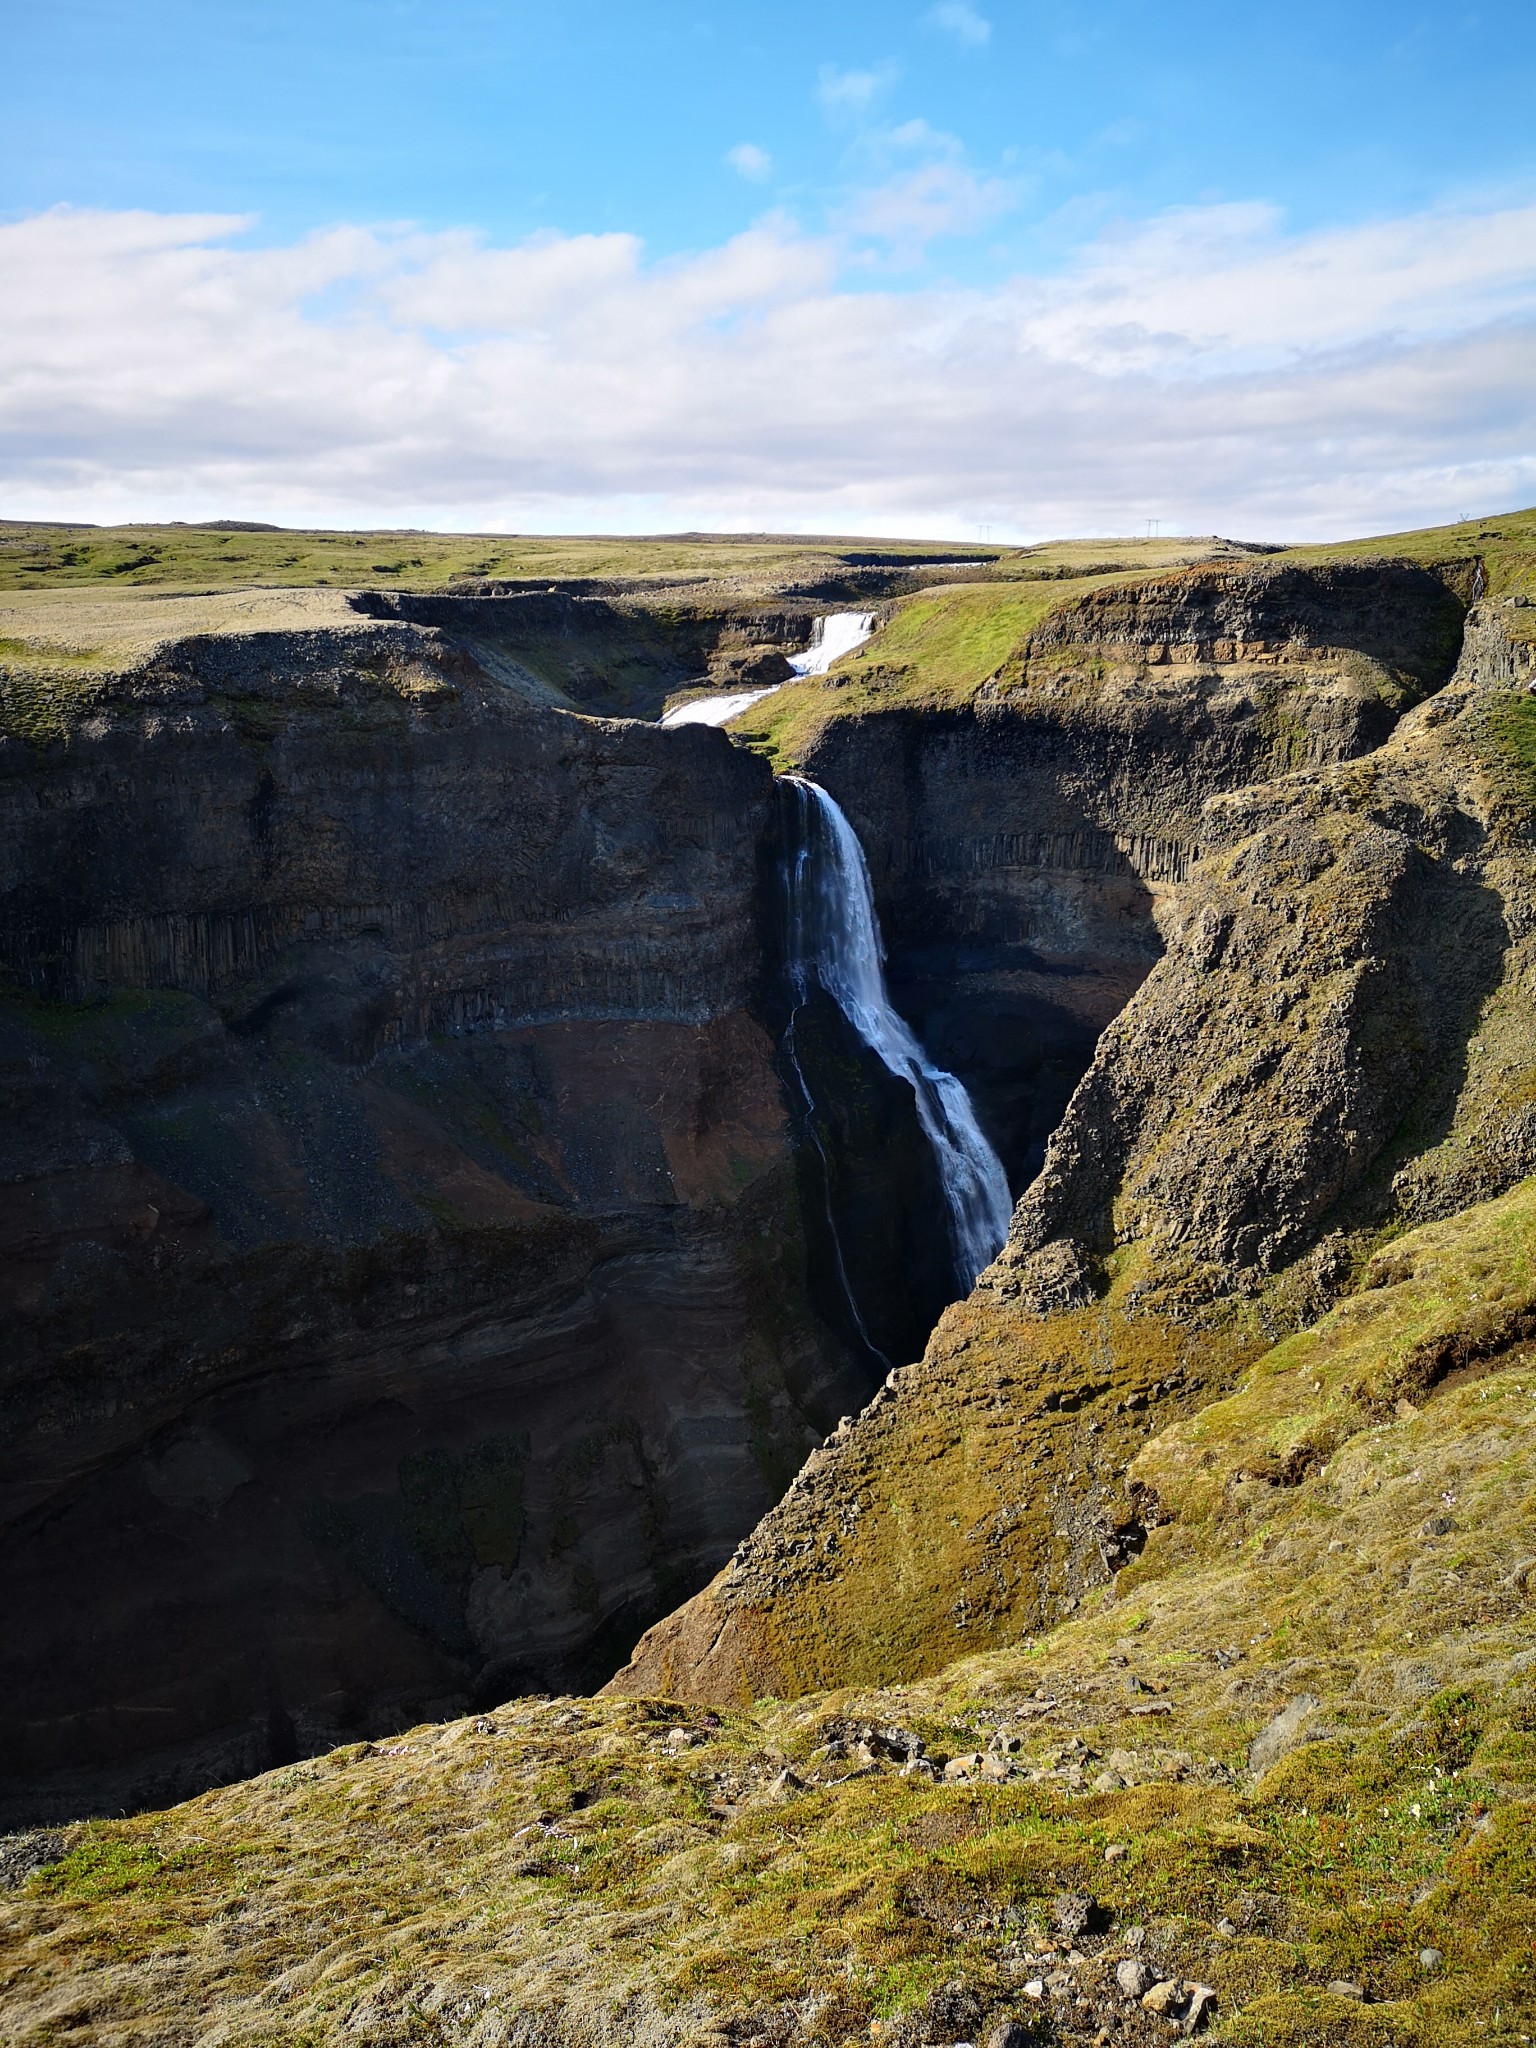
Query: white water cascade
[(834, 941), (833, 635)]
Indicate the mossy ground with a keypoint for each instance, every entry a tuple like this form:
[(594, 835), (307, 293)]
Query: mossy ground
[(935, 654), (1325, 1537), (940, 648), (41, 557)]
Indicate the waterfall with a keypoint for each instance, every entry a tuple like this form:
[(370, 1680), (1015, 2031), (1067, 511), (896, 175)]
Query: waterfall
[(833, 635), (834, 942)]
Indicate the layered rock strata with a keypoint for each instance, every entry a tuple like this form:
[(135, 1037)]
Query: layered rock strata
[(1337, 1042), (403, 1283), (1021, 847)]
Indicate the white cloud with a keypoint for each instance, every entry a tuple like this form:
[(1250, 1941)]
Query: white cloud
[(750, 162), (939, 198), (958, 18), (1207, 368), (849, 95)]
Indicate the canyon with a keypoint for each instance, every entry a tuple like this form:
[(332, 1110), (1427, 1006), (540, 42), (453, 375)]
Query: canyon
[(452, 1251)]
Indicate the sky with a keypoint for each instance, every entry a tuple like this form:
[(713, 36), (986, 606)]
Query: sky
[(960, 268)]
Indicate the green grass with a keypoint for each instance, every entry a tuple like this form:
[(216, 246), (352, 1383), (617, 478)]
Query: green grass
[(1512, 732), (571, 1858), (39, 557), (935, 653)]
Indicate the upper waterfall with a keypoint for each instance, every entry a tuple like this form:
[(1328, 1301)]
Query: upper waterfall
[(833, 635), (834, 941)]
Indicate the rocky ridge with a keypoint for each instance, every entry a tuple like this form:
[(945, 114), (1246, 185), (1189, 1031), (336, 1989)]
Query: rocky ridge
[(1335, 1043)]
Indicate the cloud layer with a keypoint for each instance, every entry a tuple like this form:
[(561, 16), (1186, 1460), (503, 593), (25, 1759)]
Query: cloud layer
[(1207, 369)]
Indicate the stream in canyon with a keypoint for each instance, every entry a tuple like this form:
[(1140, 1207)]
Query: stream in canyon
[(833, 635)]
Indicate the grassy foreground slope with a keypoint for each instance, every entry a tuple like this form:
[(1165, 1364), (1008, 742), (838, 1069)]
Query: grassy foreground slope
[(1295, 1747)]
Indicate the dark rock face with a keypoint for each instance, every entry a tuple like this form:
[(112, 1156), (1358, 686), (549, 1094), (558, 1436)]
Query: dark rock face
[(1332, 1040), (604, 653), (1335, 1038), (403, 1287), (1021, 850)]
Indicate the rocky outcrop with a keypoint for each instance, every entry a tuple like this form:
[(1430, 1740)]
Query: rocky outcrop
[(1333, 1039), (1021, 848), (1337, 1041), (604, 651), (403, 1288)]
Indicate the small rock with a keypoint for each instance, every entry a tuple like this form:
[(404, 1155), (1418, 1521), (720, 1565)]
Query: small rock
[(1341, 1987), (1133, 1937), (996, 1768), (1074, 1913), (785, 1784), (1035, 1988), (485, 1725), (961, 1768), (918, 1767), (1010, 2034), (1430, 1959), (1226, 1927), (1109, 1781), (1439, 1525), (1166, 1998), (1283, 1734), (1202, 2004), (1117, 1852), (21, 1854), (1134, 1976)]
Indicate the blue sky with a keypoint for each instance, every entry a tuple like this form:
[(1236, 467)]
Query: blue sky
[(972, 165), (514, 117)]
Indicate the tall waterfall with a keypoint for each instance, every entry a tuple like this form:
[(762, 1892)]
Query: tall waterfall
[(834, 941)]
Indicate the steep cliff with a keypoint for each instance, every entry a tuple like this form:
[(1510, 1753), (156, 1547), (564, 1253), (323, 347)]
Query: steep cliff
[(404, 1290), (1175, 1609), (1025, 837), (1335, 1043)]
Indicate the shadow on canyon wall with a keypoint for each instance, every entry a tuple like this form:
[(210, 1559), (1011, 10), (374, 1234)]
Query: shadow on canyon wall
[(416, 1273)]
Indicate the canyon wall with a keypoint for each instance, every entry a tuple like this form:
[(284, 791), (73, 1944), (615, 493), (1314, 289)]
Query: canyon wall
[(1335, 1044), (417, 1277), (1021, 847), (403, 1284)]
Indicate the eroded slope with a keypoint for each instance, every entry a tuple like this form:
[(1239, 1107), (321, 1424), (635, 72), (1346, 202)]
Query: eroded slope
[(1336, 1042), (1291, 1751)]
